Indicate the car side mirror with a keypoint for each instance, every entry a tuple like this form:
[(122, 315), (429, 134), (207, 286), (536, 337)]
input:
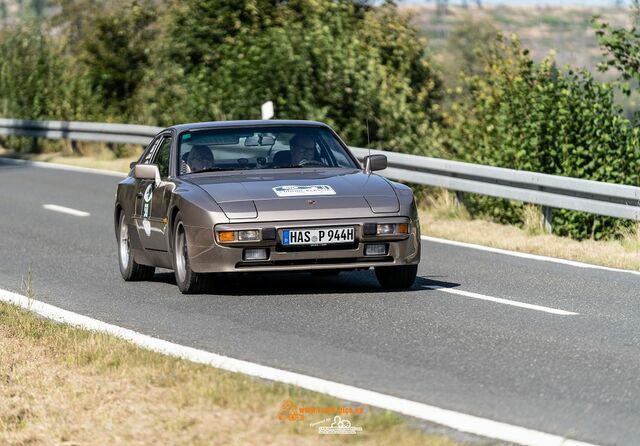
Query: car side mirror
[(147, 172), (375, 162)]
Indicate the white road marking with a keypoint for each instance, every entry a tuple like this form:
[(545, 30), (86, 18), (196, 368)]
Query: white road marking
[(65, 210), (463, 422), (499, 300), (526, 255)]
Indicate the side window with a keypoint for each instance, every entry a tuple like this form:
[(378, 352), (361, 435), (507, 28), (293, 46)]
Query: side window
[(162, 159), (151, 150)]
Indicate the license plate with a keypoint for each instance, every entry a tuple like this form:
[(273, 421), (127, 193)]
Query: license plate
[(323, 236)]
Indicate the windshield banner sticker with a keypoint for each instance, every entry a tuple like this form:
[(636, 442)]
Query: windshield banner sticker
[(299, 191)]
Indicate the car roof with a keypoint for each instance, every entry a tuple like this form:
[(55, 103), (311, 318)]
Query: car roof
[(247, 123)]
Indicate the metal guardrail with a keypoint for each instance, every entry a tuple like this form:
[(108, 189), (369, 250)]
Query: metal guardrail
[(548, 191), (79, 131)]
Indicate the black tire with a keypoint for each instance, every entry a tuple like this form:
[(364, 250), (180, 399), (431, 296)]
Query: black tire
[(189, 282), (129, 268), (396, 277)]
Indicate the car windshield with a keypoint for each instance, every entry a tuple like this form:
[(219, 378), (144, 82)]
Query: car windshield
[(260, 148)]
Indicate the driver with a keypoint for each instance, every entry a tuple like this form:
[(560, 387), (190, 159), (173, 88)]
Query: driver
[(303, 148), (199, 158)]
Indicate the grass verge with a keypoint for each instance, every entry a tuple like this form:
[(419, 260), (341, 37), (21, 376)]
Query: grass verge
[(96, 157), (442, 217), (64, 385)]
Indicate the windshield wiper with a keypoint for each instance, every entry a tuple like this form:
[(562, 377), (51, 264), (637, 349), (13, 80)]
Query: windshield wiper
[(216, 169), (291, 166)]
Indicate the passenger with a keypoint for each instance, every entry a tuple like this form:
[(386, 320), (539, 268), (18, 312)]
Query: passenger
[(303, 150), (199, 158)]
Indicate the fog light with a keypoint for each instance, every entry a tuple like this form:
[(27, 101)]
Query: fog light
[(226, 236), (375, 250), (256, 254), (251, 235), (386, 229)]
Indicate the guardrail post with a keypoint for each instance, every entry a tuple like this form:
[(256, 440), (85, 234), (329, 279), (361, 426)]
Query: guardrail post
[(74, 146), (547, 217), (459, 199), (34, 144)]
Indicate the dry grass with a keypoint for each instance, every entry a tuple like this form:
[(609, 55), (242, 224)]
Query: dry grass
[(63, 385), (533, 221), (436, 220)]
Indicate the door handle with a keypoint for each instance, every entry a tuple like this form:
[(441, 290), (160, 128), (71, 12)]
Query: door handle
[(140, 194)]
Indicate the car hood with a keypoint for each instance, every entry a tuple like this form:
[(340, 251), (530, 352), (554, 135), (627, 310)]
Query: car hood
[(299, 194)]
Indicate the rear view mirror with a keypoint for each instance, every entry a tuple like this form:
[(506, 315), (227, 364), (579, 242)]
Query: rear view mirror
[(267, 140), (375, 162), (147, 172)]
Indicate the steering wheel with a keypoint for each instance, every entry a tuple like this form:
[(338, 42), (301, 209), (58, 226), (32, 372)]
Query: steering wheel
[(310, 163)]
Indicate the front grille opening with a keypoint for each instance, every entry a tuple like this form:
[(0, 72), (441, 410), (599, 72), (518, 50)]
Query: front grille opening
[(335, 247), (317, 261)]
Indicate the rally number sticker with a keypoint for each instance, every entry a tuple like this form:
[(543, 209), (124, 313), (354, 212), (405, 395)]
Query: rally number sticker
[(146, 203)]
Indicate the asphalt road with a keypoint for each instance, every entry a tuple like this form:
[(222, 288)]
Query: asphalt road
[(571, 375)]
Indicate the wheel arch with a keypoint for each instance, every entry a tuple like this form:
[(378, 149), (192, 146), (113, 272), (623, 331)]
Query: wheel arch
[(116, 217), (172, 220)]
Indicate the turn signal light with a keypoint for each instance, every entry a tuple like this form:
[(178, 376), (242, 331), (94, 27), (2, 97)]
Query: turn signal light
[(226, 236), (403, 228)]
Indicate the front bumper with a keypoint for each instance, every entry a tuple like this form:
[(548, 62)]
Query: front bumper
[(208, 255)]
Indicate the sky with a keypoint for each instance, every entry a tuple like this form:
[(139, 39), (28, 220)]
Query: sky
[(530, 2)]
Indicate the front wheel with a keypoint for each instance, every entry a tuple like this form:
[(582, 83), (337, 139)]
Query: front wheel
[(189, 282), (396, 277), (129, 268)]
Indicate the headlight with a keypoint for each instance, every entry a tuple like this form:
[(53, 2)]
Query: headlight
[(386, 229), (392, 228), (251, 235)]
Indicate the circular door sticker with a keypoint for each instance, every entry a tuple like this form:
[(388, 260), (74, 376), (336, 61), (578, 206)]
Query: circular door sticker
[(146, 205)]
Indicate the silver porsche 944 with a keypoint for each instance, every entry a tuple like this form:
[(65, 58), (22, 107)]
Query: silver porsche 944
[(255, 196)]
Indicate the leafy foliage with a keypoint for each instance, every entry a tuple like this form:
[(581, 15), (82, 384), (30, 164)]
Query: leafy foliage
[(621, 48), (535, 117), (116, 55), (338, 61)]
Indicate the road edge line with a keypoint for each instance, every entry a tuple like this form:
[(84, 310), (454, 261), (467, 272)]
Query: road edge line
[(526, 255), (456, 420)]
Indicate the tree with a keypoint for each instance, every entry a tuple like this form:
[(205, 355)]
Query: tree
[(116, 54), (621, 47), (339, 61), (529, 116)]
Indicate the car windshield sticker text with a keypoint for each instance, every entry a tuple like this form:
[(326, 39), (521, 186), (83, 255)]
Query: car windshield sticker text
[(298, 191), (146, 204)]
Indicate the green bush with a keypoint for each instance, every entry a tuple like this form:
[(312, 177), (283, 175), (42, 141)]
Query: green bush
[(529, 116), (30, 73)]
